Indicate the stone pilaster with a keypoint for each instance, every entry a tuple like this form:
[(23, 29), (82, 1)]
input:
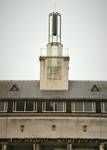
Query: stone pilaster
[(69, 146), (4, 146), (36, 147)]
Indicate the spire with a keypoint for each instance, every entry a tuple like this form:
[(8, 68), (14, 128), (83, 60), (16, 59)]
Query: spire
[(54, 27)]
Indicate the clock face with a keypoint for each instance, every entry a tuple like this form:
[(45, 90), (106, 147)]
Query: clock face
[(54, 72)]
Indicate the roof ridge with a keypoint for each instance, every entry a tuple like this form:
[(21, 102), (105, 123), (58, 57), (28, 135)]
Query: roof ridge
[(68, 80)]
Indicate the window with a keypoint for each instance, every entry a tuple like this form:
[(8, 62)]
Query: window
[(89, 107), (29, 106), (59, 106), (19, 106), (26, 106), (104, 107), (10, 107), (83, 107), (98, 107), (53, 107), (14, 88), (49, 106), (3, 106), (78, 106), (54, 72)]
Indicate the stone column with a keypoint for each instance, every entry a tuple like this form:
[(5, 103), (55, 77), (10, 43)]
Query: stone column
[(101, 147), (69, 146), (4, 146), (36, 147)]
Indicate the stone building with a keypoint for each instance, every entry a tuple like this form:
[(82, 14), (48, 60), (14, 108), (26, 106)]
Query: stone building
[(53, 113)]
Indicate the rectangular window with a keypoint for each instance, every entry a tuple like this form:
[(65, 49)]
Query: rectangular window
[(78, 106), (98, 107), (104, 107), (3, 106), (53, 106), (59, 106), (25, 106), (10, 107), (19, 106), (83, 107), (49, 106), (30, 106), (89, 107)]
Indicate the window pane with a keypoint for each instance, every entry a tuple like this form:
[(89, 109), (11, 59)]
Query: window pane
[(59, 106), (1, 106), (79, 106), (20, 106), (29, 106), (104, 106), (88, 106), (49, 106), (10, 107), (97, 107)]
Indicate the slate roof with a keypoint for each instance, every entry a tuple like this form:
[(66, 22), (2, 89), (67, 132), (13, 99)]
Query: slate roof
[(31, 89)]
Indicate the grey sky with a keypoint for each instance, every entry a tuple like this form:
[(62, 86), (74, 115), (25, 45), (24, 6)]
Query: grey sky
[(24, 31)]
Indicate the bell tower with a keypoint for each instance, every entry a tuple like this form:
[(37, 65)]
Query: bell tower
[(54, 65)]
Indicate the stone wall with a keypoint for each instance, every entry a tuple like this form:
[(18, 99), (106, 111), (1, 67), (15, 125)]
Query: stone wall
[(53, 127), (54, 84)]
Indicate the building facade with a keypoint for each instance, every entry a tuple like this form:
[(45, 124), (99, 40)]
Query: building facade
[(53, 113)]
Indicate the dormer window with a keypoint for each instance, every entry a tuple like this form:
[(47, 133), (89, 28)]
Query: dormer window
[(95, 88), (14, 88)]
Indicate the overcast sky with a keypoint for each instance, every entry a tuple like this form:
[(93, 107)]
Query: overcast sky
[(24, 31)]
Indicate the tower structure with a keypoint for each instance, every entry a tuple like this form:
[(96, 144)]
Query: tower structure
[(54, 66), (34, 119)]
